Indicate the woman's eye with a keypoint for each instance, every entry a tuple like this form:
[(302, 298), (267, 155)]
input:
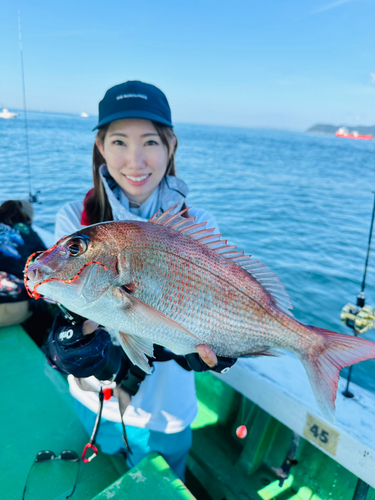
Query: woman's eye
[(118, 143), (151, 143), (76, 247)]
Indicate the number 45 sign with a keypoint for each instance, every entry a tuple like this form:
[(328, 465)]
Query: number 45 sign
[(321, 434)]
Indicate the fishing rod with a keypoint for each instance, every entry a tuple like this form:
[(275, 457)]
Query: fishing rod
[(361, 299), (33, 198)]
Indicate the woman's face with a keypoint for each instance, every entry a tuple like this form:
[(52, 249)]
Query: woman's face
[(135, 156)]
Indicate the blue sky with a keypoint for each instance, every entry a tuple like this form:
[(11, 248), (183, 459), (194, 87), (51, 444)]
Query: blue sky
[(270, 63)]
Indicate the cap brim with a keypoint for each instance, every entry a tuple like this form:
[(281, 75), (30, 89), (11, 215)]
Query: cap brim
[(144, 115)]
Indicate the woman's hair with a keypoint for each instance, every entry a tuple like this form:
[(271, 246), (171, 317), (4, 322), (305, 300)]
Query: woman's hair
[(97, 206), (14, 211)]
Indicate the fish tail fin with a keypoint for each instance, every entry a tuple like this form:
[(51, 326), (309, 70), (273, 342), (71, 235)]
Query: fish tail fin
[(323, 365)]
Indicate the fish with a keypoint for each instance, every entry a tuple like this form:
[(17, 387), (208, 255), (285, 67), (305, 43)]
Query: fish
[(175, 283)]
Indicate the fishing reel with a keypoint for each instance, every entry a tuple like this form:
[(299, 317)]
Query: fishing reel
[(33, 198), (361, 319)]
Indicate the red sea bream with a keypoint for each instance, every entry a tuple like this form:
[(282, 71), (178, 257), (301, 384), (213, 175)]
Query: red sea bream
[(174, 283)]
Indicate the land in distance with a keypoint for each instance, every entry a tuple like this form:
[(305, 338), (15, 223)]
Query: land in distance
[(322, 128)]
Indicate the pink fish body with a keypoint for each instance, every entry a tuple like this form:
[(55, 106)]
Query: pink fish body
[(171, 282)]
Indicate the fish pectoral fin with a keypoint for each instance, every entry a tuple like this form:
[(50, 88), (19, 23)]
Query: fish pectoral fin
[(136, 349), (153, 317)]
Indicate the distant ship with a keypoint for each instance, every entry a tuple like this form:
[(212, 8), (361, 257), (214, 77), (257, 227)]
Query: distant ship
[(344, 132), (7, 114), (84, 115)]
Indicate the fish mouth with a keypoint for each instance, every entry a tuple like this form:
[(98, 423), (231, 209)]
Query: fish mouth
[(36, 277), (37, 273)]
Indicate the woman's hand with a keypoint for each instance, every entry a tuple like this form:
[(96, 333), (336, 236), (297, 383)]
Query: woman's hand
[(81, 349), (207, 355), (206, 359), (89, 327)]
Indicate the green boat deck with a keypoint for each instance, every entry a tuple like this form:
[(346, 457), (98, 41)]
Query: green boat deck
[(37, 413)]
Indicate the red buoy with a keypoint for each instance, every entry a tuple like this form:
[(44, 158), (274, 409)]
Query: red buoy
[(241, 431)]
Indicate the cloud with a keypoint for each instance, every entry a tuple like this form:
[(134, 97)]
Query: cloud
[(372, 78), (330, 6)]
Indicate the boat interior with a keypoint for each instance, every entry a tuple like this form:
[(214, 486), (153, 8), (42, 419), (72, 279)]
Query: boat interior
[(290, 451)]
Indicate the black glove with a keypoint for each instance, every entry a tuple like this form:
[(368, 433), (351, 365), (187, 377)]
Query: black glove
[(71, 352), (198, 365), (192, 361)]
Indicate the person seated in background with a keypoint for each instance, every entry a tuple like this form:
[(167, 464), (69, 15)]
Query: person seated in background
[(18, 240)]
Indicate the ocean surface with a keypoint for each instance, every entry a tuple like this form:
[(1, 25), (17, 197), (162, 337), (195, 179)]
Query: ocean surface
[(298, 202)]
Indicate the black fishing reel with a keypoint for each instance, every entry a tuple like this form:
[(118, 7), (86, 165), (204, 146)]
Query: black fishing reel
[(33, 198)]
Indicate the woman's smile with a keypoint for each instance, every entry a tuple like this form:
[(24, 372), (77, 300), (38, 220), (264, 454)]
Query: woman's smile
[(136, 180)]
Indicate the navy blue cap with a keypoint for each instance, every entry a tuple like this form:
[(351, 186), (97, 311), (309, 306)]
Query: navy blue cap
[(134, 100)]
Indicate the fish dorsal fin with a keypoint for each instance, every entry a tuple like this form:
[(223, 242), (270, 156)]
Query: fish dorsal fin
[(261, 273)]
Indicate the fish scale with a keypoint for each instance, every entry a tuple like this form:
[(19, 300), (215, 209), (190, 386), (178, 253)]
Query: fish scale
[(172, 282), (219, 315)]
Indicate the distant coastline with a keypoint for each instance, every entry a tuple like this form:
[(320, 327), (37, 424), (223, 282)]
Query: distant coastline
[(322, 128)]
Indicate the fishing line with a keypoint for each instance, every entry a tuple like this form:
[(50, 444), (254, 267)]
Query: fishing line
[(33, 198), (241, 430), (350, 319), (247, 418), (242, 409), (361, 296)]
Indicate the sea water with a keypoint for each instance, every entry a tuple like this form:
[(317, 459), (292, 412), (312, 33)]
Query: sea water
[(298, 202)]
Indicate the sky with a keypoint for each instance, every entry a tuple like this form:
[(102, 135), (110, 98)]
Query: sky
[(282, 64)]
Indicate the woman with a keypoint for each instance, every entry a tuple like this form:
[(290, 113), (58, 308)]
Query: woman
[(134, 176)]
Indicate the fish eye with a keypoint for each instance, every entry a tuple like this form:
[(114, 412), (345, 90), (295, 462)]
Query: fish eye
[(76, 247)]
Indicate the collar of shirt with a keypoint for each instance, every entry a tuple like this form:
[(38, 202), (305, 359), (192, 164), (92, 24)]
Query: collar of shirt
[(171, 191)]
